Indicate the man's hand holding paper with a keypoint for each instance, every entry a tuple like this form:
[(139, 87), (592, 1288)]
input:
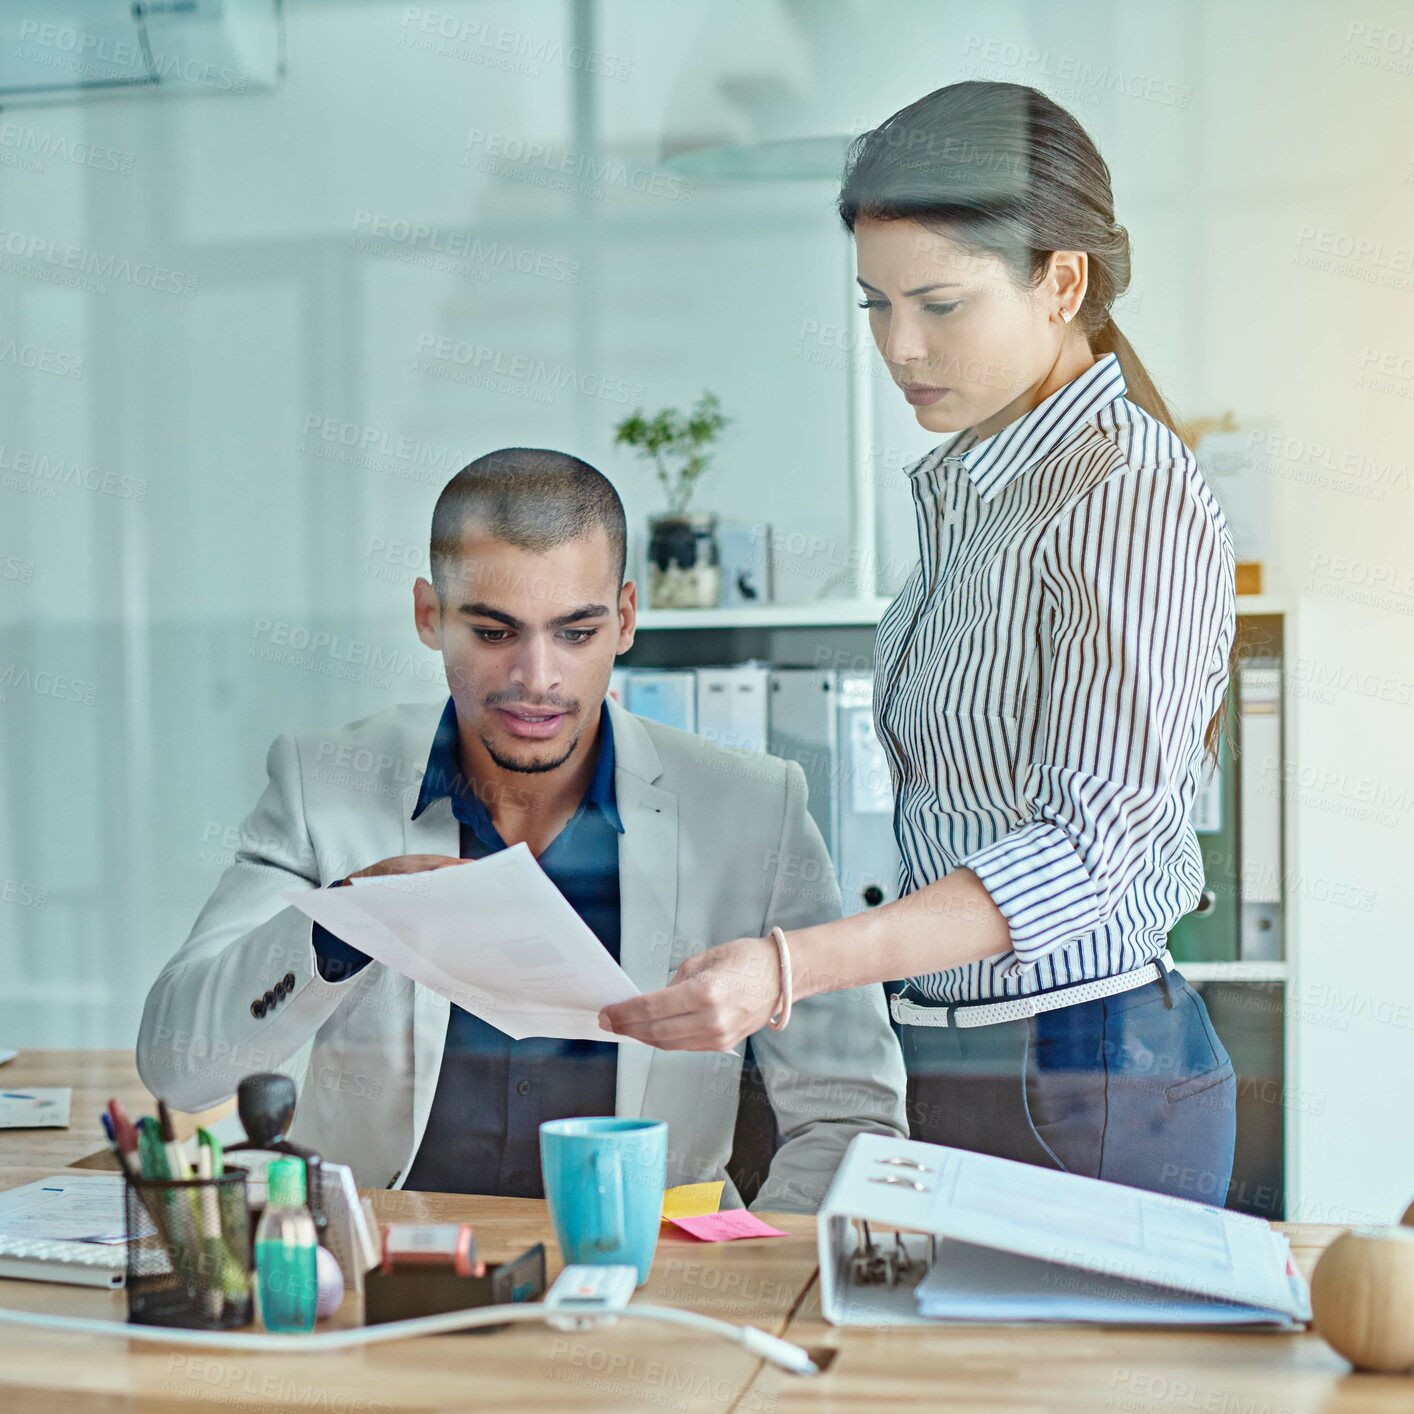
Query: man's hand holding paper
[(494, 937)]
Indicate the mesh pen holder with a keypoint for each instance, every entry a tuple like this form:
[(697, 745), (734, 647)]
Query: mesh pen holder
[(188, 1251)]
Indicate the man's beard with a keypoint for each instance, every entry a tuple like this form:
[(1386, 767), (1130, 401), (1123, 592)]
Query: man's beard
[(529, 768)]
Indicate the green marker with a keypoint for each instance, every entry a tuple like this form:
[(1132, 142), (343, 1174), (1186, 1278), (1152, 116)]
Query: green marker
[(230, 1274), (177, 1234), (207, 1140), (151, 1149)]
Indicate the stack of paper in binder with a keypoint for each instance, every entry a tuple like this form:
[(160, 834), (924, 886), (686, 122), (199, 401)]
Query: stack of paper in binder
[(1237, 816), (987, 1239)]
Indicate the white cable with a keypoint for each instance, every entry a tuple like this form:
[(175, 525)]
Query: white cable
[(769, 1347)]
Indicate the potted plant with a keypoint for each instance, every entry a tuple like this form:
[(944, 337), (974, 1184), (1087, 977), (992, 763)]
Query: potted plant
[(683, 564)]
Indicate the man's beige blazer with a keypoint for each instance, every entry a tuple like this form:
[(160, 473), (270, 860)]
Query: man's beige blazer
[(716, 845)]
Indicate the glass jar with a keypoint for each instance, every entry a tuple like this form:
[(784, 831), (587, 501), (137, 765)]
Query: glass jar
[(684, 565)]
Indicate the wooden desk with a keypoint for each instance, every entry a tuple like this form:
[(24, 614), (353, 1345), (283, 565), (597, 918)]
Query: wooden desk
[(637, 1366), (96, 1076), (634, 1365)]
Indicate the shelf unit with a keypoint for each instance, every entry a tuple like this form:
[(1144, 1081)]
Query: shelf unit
[(827, 613), (823, 614)]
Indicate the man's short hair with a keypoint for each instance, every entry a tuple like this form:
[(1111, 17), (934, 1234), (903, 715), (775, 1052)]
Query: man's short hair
[(530, 497)]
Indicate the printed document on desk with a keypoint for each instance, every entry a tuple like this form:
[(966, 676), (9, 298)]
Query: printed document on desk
[(68, 1208), (1175, 1260), (493, 935), (36, 1107)]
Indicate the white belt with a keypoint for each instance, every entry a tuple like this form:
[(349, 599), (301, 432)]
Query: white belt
[(908, 1013)]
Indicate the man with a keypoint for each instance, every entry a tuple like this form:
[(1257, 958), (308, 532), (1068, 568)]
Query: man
[(661, 842)]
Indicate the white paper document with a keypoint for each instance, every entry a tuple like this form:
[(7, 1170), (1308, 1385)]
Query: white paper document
[(493, 935), (88, 1209), (970, 1283), (36, 1107), (1023, 1242)]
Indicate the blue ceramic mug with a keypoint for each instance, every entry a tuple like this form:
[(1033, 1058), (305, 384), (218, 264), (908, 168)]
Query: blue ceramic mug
[(604, 1182)]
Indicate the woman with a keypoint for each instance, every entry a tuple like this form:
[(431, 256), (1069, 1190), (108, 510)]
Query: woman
[(1046, 683)]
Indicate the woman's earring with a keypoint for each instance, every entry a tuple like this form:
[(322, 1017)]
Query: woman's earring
[(1067, 315)]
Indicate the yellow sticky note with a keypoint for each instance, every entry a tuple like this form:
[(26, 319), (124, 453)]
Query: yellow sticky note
[(692, 1200)]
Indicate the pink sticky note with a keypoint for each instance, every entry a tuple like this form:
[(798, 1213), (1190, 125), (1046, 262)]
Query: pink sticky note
[(726, 1226)]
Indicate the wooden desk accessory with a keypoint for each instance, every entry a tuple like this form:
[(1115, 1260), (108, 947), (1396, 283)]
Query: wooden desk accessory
[(1362, 1297)]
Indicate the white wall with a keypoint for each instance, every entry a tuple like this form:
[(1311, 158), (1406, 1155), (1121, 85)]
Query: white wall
[(1270, 130)]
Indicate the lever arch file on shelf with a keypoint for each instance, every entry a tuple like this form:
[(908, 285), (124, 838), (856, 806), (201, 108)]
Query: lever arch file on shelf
[(824, 720), (731, 706), (1210, 932), (1259, 809), (912, 1233)]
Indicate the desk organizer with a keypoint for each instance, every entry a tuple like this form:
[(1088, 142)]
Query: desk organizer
[(188, 1251), (402, 1294)]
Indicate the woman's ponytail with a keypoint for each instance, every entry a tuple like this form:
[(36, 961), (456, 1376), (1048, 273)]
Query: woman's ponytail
[(1139, 387)]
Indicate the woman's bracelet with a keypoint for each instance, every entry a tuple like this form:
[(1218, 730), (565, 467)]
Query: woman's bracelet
[(778, 1021)]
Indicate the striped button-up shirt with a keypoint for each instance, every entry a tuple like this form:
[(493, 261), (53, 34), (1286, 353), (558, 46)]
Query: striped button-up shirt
[(1046, 677)]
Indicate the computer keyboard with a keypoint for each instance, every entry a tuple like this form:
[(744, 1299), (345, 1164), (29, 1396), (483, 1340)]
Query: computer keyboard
[(49, 1259)]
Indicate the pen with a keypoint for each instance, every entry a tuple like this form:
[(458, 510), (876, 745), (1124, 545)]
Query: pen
[(15, 1095), (235, 1275), (154, 1156), (107, 1121), (177, 1164), (212, 1247), (127, 1161), (127, 1136), (129, 1154), (176, 1159), (118, 1127), (171, 1227), (112, 1137)]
